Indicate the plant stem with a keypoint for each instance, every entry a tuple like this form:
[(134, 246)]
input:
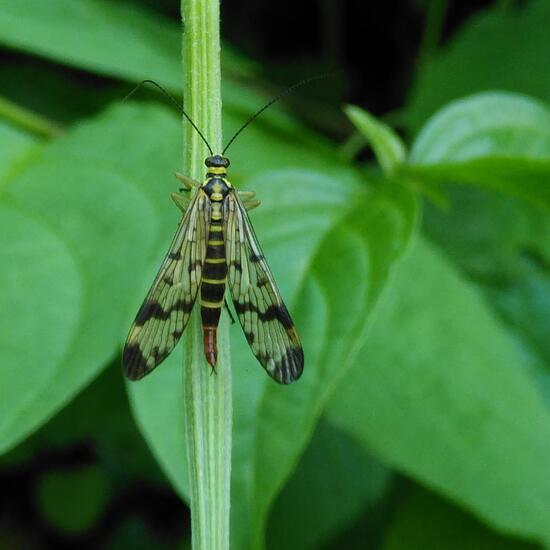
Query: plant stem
[(207, 396), (27, 119)]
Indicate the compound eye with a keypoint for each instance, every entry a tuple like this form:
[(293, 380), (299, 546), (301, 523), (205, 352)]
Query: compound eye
[(217, 161)]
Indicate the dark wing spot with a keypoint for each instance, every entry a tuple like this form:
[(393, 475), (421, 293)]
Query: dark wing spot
[(279, 312), (153, 310), (273, 312), (241, 308), (291, 366), (133, 362), (147, 311)]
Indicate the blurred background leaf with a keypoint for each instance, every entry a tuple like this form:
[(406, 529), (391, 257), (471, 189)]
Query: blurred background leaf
[(80, 189), (440, 403), (495, 140), (498, 49)]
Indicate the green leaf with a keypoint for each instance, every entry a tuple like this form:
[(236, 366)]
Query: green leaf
[(482, 125), (110, 38), (444, 394), (334, 482), (495, 49), (40, 287), (425, 522), (495, 140), (72, 219), (140, 45), (386, 144), (313, 254)]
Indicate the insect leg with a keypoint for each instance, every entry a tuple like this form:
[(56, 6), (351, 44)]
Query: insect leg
[(248, 199), (187, 181), (182, 201), (249, 204)]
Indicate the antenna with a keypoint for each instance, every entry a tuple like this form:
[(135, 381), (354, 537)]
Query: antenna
[(285, 92), (180, 108)]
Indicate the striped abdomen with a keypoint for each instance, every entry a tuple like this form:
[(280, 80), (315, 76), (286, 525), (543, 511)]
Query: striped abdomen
[(214, 276)]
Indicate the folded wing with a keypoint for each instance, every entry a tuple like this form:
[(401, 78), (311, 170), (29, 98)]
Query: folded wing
[(264, 317), (167, 307)]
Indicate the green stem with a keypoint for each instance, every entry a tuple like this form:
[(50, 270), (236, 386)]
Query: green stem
[(27, 119), (208, 399)]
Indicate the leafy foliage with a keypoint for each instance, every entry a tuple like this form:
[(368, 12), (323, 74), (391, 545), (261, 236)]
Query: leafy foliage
[(426, 341), (496, 50)]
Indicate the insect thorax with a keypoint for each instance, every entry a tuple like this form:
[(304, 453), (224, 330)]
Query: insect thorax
[(216, 187)]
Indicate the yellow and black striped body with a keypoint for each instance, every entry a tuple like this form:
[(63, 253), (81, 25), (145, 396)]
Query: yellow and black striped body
[(214, 274)]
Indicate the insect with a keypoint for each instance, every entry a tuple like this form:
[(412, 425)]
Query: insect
[(214, 249)]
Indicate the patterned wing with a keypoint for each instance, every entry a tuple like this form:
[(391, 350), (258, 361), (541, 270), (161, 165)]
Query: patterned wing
[(263, 315), (164, 313)]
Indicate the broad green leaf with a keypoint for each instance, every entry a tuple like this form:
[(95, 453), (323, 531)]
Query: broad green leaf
[(495, 49), (482, 125), (313, 254), (81, 238), (116, 39), (110, 38), (425, 522), (496, 140), (334, 482), (390, 151), (445, 395), (500, 142), (127, 42), (40, 297)]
